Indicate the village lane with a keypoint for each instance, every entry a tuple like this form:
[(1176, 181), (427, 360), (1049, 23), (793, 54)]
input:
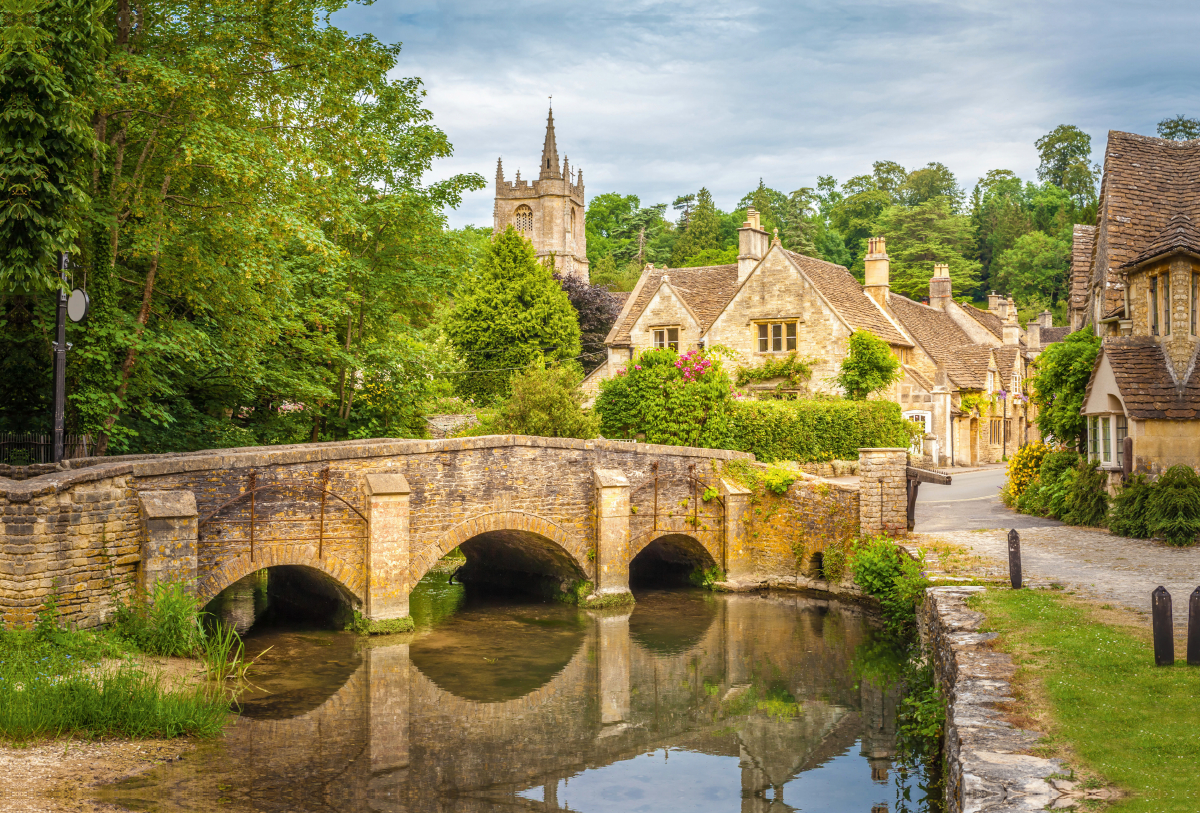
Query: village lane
[(1089, 560)]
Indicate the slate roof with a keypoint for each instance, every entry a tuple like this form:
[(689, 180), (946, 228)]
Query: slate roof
[(921, 380), (1179, 233), (846, 295), (986, 318), (1006, 360), (944, 340), (706, 290), (1144, 378), (620, 296), (1083, 240), (1050, 335)]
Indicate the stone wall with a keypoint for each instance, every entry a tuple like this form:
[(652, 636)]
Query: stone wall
[(988, 767), (883, 491)]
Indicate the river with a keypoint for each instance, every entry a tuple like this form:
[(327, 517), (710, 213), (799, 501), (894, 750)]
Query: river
[(688, 701)]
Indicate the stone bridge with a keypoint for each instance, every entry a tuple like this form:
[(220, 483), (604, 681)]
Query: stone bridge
[(367, 519)]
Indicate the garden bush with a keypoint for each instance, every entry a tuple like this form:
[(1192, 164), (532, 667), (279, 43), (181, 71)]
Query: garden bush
[(1173, 507), (882, 570), (815, 430), (1023, 468), (1128, 515), (1086, 501), (545, 402)]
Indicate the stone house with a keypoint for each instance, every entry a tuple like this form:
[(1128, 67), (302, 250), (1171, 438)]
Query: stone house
[(1140, 292), (548, 211), (959, 363)]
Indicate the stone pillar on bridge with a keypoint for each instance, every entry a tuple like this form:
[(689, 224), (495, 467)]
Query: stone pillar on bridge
[(738, 559), (883, 491), (388, 690), (387, 561), (615, 659), (612, 532), (170, 531)]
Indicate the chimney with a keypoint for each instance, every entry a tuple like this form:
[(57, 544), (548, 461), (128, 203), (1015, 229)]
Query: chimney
[(753, 243), (1046, 319), (1033, 334), (1012, 329), (940, 287), (876, 269), (994, 300)]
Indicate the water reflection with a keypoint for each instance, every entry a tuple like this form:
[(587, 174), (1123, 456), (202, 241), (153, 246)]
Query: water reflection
[(693, 701)]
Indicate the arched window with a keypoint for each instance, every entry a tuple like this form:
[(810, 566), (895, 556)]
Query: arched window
[(523, 219)]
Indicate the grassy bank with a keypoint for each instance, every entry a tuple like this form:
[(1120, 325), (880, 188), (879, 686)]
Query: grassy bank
[(1087, 678)]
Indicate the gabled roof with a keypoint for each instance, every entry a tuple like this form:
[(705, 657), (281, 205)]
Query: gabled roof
[(1083, 240), (846, 295), (946, 342), (1143, 376), (1050, 335), (1180, 233), (920, 380), (705, 290), (986, 318), (1006, 359)]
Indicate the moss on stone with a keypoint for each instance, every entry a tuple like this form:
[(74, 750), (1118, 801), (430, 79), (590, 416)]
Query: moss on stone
[(607, 600)]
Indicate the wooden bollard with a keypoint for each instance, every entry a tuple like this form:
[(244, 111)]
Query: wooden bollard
[(1193, 646), (1164, 635), (1014, 559)]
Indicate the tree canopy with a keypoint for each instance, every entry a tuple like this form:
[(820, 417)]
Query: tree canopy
[(868, 367), (1059, 383)]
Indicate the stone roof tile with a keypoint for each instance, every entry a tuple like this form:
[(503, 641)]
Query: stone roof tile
[(1144, 378), (706, 290), (1082, 242), (946, 342), (846, 295), (986, 318)]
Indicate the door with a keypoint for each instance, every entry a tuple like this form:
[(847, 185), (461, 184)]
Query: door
[(974, 441)]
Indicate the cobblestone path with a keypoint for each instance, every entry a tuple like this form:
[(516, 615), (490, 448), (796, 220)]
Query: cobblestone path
[(1091, 561)]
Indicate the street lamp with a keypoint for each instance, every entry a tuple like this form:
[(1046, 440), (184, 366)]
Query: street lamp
[(73, 307)]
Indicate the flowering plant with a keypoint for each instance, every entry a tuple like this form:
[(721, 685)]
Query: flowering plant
[(692, 365)]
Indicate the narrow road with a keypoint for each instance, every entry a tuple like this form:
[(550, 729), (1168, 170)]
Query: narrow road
[(970, 503)]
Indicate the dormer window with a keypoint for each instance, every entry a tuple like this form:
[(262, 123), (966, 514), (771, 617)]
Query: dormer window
[(991, 381), (667, 337)]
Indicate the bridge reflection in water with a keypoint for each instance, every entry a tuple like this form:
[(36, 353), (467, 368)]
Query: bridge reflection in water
[(693, 701)]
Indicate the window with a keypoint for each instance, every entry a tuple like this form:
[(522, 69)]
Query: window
[(1093, 436), (991, 381), (1104, 437), (996, 431), (904, 354), (1154, 306), (923, 419), (667, 337), (523, 219), (1195, 298), (776, 337), (1166, 304), (1120, 439)]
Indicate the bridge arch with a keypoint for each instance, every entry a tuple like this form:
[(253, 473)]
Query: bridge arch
[(346, 579), (660, 556), (516, 541)]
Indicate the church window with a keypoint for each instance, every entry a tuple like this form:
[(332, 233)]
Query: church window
[(523, 219), (776, 337), (667, 337)]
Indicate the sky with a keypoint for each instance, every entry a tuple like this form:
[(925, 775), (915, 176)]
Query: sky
[(658, 99)]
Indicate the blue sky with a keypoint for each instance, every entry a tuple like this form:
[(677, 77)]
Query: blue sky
[(660, 98)]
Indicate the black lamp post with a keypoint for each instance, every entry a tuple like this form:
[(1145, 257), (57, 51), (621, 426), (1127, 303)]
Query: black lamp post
[(74, 307)]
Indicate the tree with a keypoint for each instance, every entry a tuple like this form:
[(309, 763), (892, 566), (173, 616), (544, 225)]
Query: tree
[(701, 232), (800, 218), (1062, 148), (934, 180), (1035, 269), (546, 402), (596, 310), (1059, 383), (769, 203), (868, 367), (606, 215), (515, 316), (1179, 128), (49, 54), (999, 215), (918, 237)]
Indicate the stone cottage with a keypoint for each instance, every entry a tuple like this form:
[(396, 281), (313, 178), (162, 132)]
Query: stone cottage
[(961, 365), (1140, 291)]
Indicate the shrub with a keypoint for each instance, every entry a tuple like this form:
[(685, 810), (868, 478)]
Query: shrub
[(868, 367), (1130, 508), (547, 403), (1023, 467), (165, 623), (814, 431), (1086, 501), (1173, 507), (882, 570), (1060, 378)]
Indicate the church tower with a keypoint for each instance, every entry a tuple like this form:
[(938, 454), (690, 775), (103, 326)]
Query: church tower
[(548, 211)]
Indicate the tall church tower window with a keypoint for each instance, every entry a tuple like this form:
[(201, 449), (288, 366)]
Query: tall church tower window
[(523, 219)]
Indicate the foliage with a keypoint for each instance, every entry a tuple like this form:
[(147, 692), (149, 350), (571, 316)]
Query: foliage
[(1035, 268), (701, 231), (1023, 467), (546, 402), (596, 310), (49, 52), (666, 398), (882, 570), (795, 371), (258, 239), (833, 562), (706, 576), (1179, 128), (1058, 384), (605, 272), (868, 367), (1128, 515), (814, 430), (925, 234), (1146, 743), (1086, 501), (1067, 487), (166, 622), (515, 315), (779, 479), (1173, 507)]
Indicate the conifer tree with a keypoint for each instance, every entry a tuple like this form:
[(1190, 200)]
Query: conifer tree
[(703, 230), (517, 315)]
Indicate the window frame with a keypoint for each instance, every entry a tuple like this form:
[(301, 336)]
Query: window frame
[(1165, 295), (1106, 438), (769, 332), (1119, 435), (1195, 301), (524, 212), (661, 337), (1153, 296)]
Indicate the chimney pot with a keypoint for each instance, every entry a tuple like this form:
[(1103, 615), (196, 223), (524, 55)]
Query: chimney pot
[(876, 271), (1046, 319), (940, 287), (753, 244)]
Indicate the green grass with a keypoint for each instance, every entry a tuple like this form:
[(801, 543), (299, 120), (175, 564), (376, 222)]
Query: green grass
[(1134, 724)]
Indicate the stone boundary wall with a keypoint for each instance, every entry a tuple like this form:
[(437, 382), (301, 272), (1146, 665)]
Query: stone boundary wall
[(988, 767)]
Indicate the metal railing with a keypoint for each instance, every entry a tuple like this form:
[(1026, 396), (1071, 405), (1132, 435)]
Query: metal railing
[(27, 448)]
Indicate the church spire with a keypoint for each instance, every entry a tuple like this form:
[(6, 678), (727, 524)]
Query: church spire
[(550, 152), (499, 172)]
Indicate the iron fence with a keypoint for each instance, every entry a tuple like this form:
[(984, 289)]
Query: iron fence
[(27, 448)]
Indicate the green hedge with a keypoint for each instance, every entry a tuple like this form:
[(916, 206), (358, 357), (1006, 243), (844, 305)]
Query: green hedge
[(814, 431)]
